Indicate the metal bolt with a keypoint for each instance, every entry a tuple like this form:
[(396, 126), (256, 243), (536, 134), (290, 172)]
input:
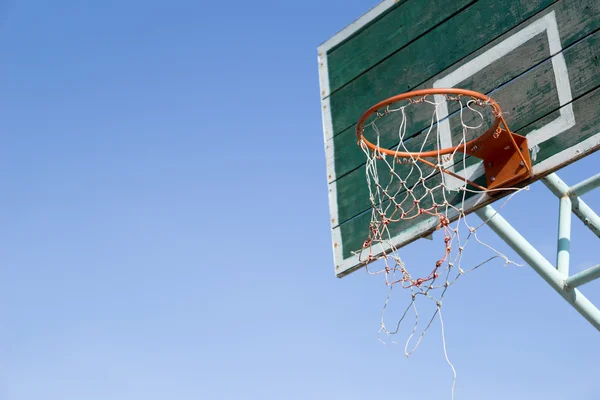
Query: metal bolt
[(493, 178), (489, 164), (522, 164)]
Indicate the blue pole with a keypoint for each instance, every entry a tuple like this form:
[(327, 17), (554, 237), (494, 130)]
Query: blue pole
[(539, 264)]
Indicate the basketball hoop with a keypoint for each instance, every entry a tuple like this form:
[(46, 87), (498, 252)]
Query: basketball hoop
[(413, 144), (504, 153), (442, 163), (412, 186)]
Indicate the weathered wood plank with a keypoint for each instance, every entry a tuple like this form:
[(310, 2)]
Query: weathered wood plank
[(349, 156), (385, 35), (575, 22), (588, 124), (429, 55)]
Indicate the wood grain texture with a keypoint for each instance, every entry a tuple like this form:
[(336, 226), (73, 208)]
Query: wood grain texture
[(385, 35), (443, 46), (348, 156), (574, 24), (586, 110), (529, 97), (524, 81)]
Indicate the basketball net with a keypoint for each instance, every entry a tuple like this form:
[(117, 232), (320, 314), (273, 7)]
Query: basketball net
[(407, 191)]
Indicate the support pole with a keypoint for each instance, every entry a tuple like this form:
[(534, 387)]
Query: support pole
[(583, 187), (539, 264), (584, 277), (586, 215), (564, 236), (579, 207)]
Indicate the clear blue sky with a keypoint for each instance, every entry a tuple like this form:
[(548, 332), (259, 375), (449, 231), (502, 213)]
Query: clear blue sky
[(165, 227)]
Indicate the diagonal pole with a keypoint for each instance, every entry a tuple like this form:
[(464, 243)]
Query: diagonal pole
[(579, 207), (539, 264)]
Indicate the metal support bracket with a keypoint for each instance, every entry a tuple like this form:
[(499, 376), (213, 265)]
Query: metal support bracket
[(557, 277), (505, 157)]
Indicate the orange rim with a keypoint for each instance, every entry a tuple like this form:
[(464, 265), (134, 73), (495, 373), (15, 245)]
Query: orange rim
[(424, 93), (468, 147)]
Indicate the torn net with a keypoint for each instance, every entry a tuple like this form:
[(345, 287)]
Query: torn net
[(410, 192)]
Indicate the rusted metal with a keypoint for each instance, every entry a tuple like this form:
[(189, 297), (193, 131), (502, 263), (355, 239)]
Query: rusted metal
[(505, 156)]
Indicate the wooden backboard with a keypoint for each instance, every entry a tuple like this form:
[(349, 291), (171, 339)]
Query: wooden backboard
[(539, 59)]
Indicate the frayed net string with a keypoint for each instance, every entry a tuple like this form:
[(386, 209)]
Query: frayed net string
[(404, 191)]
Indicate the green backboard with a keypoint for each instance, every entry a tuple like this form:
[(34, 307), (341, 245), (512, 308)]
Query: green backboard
[(540, 60)]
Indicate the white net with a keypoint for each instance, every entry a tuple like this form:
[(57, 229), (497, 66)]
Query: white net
[(412, 188)]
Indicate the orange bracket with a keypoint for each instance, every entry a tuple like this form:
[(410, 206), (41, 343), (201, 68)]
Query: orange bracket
[(505, 156)]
